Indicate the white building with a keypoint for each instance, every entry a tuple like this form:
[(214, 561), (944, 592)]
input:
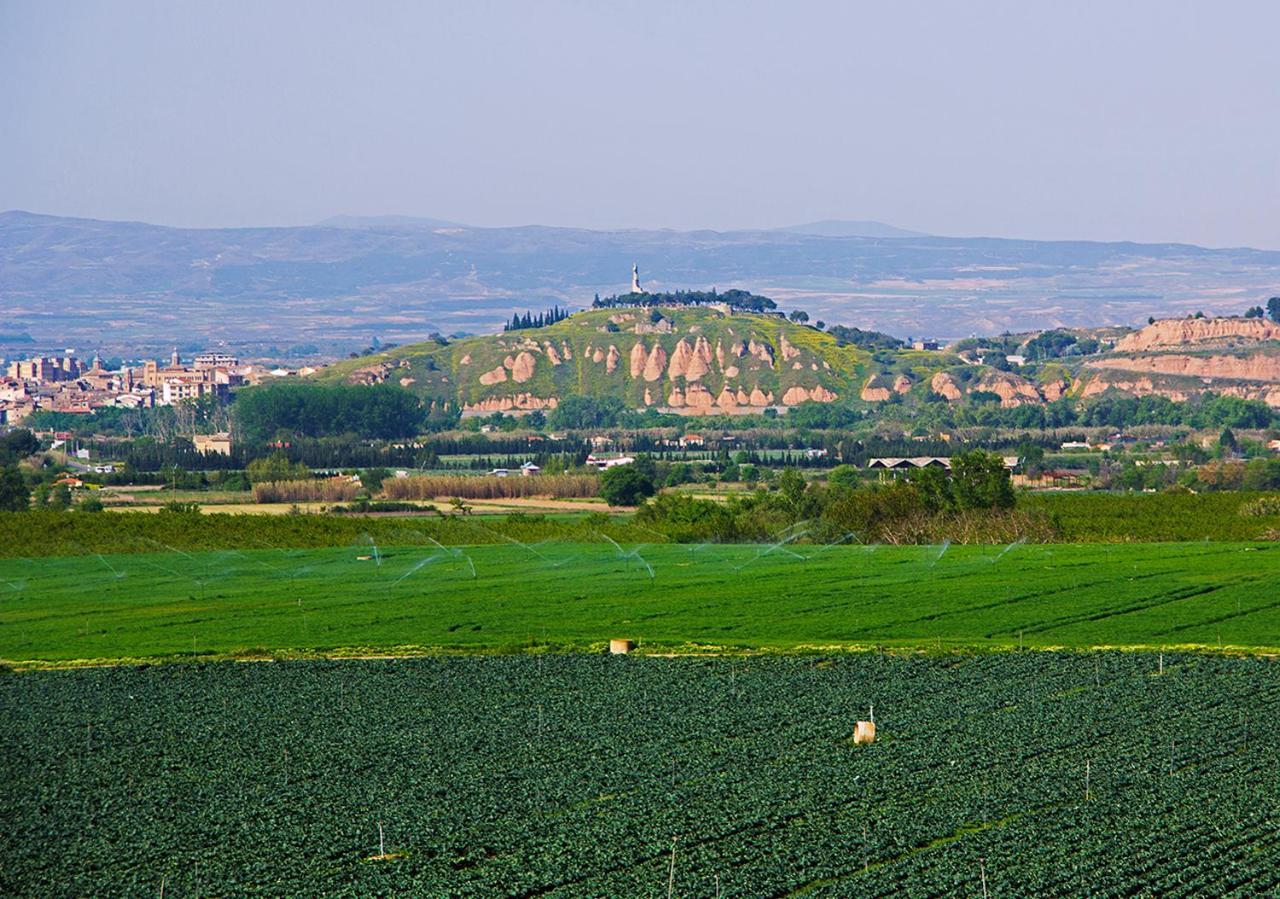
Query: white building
[(612, 462)]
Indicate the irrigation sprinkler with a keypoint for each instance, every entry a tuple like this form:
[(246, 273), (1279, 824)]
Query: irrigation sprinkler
[(633, 554), (1000, 555), (420, 563), (110, 567), (377, 556), (520, 543), (779, 546), (1086, 780), (942, 551), (834, 543)]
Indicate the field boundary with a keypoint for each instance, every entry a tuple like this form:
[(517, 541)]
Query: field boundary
[(656, 651)]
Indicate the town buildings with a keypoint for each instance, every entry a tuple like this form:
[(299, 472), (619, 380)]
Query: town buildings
[(66, 384)]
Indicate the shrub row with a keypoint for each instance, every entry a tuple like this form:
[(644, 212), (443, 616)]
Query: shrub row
[(331, 490), (433, 486)]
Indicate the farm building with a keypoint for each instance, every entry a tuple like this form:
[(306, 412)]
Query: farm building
[(212, 443), (603, 462), (910, 463)]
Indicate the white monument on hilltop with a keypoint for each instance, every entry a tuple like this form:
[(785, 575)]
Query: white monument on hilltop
[(635, 280)]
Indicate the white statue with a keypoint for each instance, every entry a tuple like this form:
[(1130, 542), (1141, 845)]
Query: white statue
[(635, 280)]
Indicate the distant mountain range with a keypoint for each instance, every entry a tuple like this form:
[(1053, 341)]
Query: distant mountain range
[(839, 228), (384, 221), (132, 286)]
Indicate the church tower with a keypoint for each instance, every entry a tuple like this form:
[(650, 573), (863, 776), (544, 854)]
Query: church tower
[(635, 279)]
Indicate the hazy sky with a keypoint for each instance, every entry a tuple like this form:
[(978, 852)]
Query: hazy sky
[(1147, 121)]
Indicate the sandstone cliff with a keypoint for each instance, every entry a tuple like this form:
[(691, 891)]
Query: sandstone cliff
[(1251, 367), (1184, 332)]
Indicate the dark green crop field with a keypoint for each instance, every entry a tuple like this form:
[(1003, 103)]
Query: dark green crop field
[(1040, 774), (512, 596)]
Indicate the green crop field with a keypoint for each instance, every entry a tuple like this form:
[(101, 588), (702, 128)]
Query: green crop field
[(1013, 774), (508, 596)]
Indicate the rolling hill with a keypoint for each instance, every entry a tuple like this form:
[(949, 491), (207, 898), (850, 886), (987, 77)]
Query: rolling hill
[(701, 360), (691, 360)]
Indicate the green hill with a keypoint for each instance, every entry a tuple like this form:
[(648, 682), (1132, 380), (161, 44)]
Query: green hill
[(681, 359)]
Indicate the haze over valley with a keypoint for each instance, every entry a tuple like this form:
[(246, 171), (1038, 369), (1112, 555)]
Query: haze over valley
[(128, 287)]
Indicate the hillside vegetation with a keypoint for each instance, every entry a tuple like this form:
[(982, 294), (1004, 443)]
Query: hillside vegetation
[(700, 357), (691, 360)]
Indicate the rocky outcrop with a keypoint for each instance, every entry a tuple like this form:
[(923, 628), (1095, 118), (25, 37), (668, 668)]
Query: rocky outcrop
[(697, 362), (496, 376), (679, 359), (761, 351), (1054, 390), (638, 356), (945, 386), (525, 402), (1013, 390), (465, 360), (661, 326), (1098, 382), (789, 352), (876, 390), (552, 355), (690, 361), (654, 363), (695, 396), (370, 374), (1181, 332), (901, 384), (612, 359), (797, 395), (522, 368), (1254, 367), (696, 399)]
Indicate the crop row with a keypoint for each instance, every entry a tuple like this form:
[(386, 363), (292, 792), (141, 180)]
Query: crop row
[(1047, 774)]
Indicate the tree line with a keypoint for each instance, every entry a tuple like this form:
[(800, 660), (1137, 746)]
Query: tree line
[(735, 299), (541, 320)]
